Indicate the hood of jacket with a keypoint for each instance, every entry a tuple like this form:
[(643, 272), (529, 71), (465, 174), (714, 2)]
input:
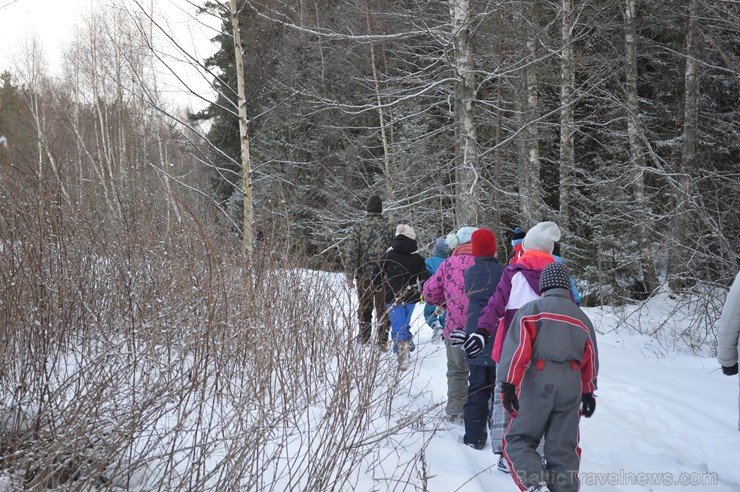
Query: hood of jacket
[(403, 244)]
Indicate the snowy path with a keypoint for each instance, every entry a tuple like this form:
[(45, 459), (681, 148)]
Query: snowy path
[(660, 424)]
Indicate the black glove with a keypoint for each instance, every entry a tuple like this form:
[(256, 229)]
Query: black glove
[(729, 371), (458, 337), (508, 398), (475, 342), (588, 404)]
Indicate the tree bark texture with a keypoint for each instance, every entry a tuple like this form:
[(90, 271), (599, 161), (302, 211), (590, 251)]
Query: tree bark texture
[(247, 226), (466, 157)]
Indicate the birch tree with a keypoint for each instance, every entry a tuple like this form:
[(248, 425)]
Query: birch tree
[(247, 227), (33, 76), (466, 136), (531, 198)]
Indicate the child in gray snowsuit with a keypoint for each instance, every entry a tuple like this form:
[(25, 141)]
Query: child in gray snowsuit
[(547, 372)]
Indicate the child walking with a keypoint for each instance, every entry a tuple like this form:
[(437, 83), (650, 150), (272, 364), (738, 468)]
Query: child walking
[(519, 284), (404, 270), (434, 315), (480, 283), (447, 288), (547, 373)]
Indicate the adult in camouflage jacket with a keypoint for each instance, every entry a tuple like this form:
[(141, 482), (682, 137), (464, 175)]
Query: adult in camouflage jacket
[(364, 251)]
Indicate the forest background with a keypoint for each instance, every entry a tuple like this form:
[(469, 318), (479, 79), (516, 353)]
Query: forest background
[(124, 223)]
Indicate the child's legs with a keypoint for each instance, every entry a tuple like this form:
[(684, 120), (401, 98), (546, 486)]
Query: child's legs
[(562, 451), (457, 380), (498, 420), (480, 386), (400, 317), (429, 316), (525, 431)]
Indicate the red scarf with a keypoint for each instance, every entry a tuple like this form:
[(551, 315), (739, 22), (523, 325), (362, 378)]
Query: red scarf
[(535, 260), (463, 249)]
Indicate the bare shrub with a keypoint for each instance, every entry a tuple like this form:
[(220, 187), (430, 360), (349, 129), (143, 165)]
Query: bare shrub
[(137, 359)]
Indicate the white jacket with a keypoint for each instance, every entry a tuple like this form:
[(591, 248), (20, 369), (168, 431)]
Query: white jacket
[(728, 330)]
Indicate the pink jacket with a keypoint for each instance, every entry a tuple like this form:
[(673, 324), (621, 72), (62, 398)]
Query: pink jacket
[(447, 288)]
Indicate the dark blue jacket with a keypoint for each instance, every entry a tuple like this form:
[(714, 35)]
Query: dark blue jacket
[(480, 283)]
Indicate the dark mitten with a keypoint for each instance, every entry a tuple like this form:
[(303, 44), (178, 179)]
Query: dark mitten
[(475, 342), (458, 337), (588, 404), (509, 399), (729, 371)]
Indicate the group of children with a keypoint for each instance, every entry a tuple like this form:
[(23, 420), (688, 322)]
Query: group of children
[(528, 351), (521, 355)]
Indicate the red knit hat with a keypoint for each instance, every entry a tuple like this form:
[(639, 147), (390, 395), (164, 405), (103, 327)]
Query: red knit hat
[(484, 242)]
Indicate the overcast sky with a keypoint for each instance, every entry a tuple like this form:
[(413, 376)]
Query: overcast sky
[(53, 22)]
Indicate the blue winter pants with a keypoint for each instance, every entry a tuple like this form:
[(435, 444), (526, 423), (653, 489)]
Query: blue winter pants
[(400, 317), (481, 381)]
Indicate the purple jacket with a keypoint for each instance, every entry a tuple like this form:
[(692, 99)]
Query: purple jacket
[(519, 284), (447, 288)]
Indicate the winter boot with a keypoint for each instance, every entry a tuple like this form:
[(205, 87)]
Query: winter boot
[(437, 330), (403, 355), (383, 339), (366, 329)]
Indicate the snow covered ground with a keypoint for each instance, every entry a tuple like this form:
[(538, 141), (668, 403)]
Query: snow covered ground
[(662, 422), (666, 419)]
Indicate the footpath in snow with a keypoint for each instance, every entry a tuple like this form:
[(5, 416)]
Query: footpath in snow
[(661, 422)]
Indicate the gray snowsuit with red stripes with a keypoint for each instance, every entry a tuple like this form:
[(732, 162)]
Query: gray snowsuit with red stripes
[(550, 356)]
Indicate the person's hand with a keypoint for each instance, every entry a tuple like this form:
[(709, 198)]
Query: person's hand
[(509, 399), (729, 371), (588, 404), (458, 337), (439, 311), (475, 342)]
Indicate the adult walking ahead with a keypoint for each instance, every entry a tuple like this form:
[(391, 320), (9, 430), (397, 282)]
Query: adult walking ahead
[(363, 254)]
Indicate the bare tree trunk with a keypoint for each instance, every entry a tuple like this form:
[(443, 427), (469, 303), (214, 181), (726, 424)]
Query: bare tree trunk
[(691, 98), (637, 151), (467, 155), (531, 199), (34, 70), (567, 120), (247, 232), (684, 207), (498, 160), (388, 165)]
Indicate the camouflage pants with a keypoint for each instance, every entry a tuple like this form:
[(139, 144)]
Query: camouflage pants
[(372, 298)]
